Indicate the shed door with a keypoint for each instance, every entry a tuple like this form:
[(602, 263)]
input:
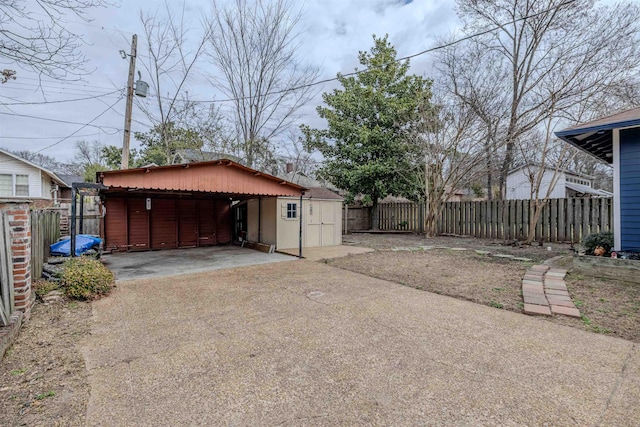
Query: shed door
[(164, 225), (328, 223), (314, 224), (187, 223), (206, 223), (138, 225)]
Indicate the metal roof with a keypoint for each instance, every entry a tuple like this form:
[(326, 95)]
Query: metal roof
[(596, 137), (584, 189), (222, 177)]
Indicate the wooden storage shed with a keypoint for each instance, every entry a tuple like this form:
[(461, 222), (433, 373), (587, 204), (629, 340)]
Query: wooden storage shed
[(180, 206), (615, 139)]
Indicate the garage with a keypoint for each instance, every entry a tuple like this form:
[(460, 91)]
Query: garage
[(180, 206)]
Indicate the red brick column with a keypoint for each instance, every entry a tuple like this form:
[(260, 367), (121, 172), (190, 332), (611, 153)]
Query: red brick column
[(20, 225)]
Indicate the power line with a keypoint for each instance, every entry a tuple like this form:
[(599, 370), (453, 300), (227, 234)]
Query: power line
[(61, 100), (79, 129), (61, 121), (46, 137)]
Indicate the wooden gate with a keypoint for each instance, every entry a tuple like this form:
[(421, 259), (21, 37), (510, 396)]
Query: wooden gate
[(6, 272)]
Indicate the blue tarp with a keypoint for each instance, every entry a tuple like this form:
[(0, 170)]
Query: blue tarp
[(84, 242)]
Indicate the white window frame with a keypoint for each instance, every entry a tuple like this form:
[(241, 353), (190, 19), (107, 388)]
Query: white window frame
[(14, 183)]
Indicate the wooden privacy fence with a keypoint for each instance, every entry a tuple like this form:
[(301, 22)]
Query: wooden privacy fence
[(6, 271), (561, 219), (45, 230)]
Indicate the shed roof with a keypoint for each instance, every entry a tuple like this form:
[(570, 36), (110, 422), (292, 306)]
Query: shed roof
[(222, 177), (596, 137)]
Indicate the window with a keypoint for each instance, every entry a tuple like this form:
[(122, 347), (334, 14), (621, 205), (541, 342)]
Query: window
[(6, 185), (292, 210), (22, 185)]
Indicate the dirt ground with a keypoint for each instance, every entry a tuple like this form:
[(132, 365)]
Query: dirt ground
[(43, 380), (607, 307)]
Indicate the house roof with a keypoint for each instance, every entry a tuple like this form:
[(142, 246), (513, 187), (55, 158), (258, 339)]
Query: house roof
[(51, 175), (596, 137), (190, 155), (587, 190), (71, 179), (223, 177)]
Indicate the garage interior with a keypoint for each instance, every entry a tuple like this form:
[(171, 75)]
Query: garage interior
[(181, 206)]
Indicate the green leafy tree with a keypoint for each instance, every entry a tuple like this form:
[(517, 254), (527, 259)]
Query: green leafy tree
[(366, 145), (112, 157), (159, 145)]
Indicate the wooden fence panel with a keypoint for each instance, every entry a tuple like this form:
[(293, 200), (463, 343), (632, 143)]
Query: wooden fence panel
[(7, 303), (45, 230), (560, 219)]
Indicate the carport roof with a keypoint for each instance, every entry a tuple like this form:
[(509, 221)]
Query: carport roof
[(222, 177)]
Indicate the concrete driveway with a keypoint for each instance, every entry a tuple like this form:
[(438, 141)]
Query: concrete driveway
[(169, 262), (303, 343)]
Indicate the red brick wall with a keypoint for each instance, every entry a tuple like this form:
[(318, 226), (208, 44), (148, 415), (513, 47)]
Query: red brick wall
[(20, 225)]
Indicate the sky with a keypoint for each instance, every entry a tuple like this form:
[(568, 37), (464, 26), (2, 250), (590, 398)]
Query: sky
[(332, 33)]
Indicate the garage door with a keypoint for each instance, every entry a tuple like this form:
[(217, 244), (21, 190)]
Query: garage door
[(115, 224), (163, 224), (223, 221), (187, 224), (206, 223), (138, 225)]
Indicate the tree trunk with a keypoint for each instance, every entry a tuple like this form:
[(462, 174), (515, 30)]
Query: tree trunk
[(374, 215), (534, 216)]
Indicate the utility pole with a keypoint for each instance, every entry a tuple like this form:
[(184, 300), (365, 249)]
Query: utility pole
[(127, 115)]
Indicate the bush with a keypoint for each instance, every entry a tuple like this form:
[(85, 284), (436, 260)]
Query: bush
[(604, 239), (43, 287), (86, 278)]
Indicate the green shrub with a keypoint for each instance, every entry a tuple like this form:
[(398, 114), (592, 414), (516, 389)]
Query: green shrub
[(86, 278), (43, 287), (604, 239)]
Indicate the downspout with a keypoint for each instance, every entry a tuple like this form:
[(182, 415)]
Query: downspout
[(300, 235)]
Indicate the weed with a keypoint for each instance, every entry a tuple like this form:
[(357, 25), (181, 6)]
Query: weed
[(495, 304), (585, 320), (579, 303), (599, 330), (18, 371), (73, 304), (42, 396), (43, 287), (603, 300), (498, 289), (603, 310), (520, 305)]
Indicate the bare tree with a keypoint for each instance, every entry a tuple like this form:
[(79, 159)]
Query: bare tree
[(34, 35), (254, 44), (170, 61), (448, 155), (555, 52)]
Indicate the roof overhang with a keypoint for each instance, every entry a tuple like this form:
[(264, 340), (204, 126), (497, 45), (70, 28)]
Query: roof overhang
[(219, 178), (596, 137)]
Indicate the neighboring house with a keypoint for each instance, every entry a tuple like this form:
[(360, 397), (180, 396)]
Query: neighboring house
[(21, 179), (564, 184), (615, 139), (190, 155)]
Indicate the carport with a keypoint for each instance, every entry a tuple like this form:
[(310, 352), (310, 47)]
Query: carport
[(180, 206)]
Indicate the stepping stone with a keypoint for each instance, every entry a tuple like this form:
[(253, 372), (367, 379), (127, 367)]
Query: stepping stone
[(531, 282), (479, 252), (539, 268), (556, 286), (567, 311), (426, 248), (522, 259), (560, 302), (526, 287), (554, 274), (557, 271), (536, 301), (537, 309), (503, 256), (459, 249), (559, 292)]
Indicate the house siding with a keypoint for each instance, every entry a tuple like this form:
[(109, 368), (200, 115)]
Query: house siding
[(519, 186), (630, 189), (9, 165)]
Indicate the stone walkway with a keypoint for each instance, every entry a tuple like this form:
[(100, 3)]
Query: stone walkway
[(545, 293)]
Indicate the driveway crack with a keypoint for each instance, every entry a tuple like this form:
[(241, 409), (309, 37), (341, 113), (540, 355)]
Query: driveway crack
[(616, 386)]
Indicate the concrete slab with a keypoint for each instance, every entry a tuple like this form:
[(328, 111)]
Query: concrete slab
[(171, 262), (303, 343), (329, 252)]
